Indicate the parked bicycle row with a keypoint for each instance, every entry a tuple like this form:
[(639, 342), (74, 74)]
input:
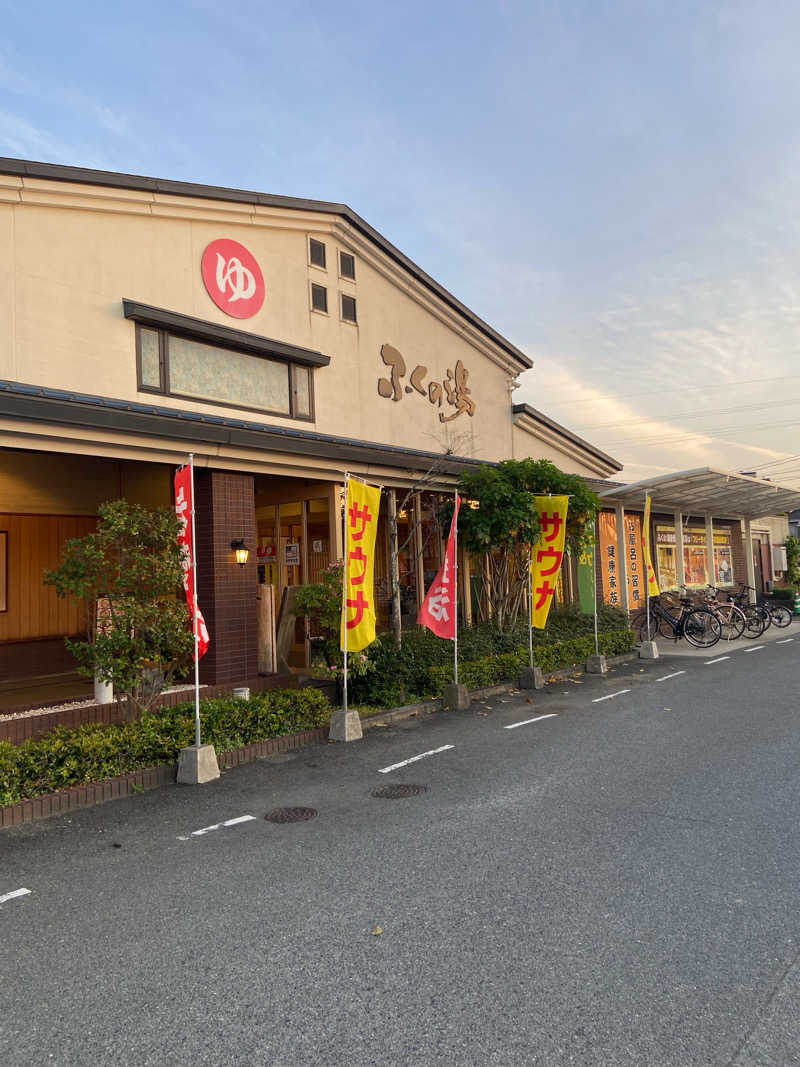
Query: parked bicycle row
[(705, 618)]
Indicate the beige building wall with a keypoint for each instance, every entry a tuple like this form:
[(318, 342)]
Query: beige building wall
[(530, 445), (70, 253)]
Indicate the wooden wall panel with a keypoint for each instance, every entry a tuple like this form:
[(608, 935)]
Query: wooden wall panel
[(35, 543)]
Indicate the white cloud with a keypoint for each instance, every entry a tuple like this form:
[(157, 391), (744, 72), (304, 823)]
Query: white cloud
[(633, 436)]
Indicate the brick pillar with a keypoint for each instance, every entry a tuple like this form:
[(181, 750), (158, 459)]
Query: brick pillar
[(226, 592)]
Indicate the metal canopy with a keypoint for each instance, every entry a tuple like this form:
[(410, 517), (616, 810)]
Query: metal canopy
[(707, 491)]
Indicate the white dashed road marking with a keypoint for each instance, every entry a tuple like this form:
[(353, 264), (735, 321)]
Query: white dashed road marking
[(525, 722), (422, 755), (719, 659), (673, 675), (218, 826), (15, 893), (784, 641), (610, 695), (755, 648)]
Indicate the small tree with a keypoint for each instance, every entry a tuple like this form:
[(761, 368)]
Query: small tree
[(793, 561), (129, 575), (499, 522), (321, 602)]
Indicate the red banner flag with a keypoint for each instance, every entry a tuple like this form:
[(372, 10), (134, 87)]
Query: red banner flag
[(438, 608), (183, 508)]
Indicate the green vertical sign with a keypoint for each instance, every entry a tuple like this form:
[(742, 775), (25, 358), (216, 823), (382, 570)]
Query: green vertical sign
[(586, 582)]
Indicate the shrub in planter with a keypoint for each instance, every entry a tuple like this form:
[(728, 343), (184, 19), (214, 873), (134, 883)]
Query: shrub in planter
[(129, 575), (504, 667), (401, 674), (94, 752)]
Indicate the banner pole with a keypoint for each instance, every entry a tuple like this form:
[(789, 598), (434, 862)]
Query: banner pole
[(646, 540), (530, 607), (455, 593), (594, 588), (194, 613), (344, 595)]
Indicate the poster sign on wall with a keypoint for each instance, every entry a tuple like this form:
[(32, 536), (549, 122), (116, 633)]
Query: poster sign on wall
[(291, 555), (695, 562)]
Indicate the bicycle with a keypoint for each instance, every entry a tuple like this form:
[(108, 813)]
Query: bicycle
[(700, 626), (736, 621), (767, 610)]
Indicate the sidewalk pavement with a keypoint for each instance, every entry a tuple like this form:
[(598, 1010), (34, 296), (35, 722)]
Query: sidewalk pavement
[(668, 648)]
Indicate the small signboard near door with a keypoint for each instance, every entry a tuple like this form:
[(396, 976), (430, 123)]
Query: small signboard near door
[(291, 555)]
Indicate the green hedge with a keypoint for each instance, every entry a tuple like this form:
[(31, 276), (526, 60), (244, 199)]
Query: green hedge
[(401, 675), (491, 670), (784, 593), (95, 752)]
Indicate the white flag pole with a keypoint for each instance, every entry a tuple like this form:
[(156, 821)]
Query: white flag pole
[(594, 589), (194, 612), (344, 596), (646, 535), (455, 591), (530, 606)]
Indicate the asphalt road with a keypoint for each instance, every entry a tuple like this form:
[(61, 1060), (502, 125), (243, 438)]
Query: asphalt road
[(617, 883)]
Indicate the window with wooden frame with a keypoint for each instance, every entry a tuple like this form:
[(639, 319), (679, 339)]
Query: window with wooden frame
[(316, 253), (176, 365)]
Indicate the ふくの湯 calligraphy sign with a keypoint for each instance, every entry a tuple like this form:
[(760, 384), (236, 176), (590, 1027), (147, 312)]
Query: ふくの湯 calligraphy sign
[(450, 391)]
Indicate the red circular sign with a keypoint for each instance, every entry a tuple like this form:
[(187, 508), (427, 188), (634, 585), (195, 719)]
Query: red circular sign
[(233, 278)]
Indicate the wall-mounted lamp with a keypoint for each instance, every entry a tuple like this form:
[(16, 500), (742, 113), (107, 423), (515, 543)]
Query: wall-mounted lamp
[(241, 550)]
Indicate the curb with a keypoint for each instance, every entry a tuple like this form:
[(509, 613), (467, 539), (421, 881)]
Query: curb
[(125, 785), (430, 707)]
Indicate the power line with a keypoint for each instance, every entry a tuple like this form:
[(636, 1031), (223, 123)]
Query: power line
[(776, 462), (676, 389), (693, 414), (714, 432)]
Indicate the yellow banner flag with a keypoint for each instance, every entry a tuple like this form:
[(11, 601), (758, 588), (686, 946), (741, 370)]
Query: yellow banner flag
[(547, 555), (361, 526), (652, 583)]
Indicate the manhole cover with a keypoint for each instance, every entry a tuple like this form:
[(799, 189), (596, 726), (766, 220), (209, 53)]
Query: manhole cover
[(398, 790), (290, 814)]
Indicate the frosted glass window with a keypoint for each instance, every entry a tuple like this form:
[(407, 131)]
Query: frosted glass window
[(302, 391), (210, 373), (148, 350)]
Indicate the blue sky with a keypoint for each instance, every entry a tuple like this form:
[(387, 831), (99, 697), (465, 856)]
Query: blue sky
[(613, 185)]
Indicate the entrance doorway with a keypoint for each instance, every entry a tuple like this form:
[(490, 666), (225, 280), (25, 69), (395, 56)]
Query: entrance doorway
[(294, 544)]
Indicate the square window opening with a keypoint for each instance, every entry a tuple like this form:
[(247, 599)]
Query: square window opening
[(316, 252), (348, 308), (347, 266), (319, 297)]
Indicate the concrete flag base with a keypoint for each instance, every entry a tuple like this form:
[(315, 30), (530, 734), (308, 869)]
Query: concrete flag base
[(456, 698), (596, 665), (531, 678), (345, 726), (648, 650), (197, 764)]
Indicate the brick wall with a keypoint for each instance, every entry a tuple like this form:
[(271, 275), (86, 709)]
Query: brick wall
[(225, 506)]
